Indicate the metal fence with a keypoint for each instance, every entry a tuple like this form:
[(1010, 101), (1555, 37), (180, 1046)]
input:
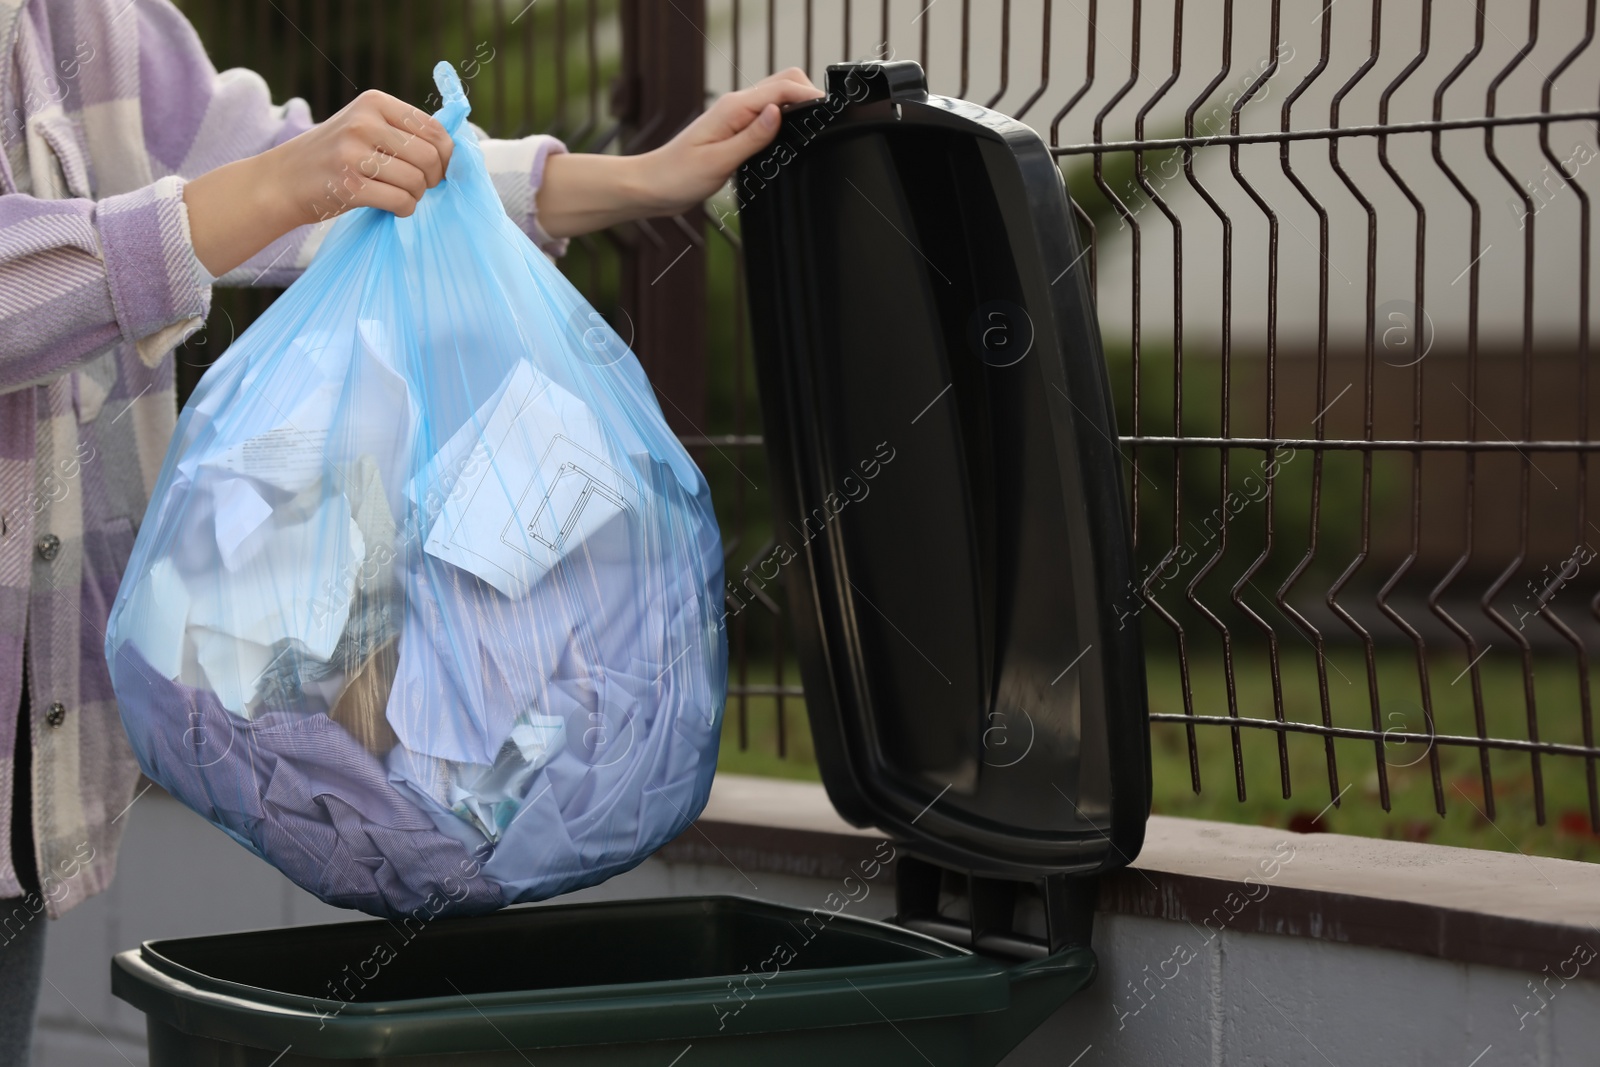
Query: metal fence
[(1341, 251)]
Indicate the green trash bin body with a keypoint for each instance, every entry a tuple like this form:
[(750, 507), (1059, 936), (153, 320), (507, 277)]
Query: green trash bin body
[(694, 981)]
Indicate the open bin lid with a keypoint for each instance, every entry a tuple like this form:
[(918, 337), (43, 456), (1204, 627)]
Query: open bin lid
[(950, 515)]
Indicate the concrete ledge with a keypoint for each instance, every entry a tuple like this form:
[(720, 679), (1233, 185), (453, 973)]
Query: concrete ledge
[(1462, 905), (772, 826)]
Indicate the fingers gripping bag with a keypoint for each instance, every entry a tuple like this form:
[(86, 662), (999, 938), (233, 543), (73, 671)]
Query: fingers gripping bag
[(425, 610)]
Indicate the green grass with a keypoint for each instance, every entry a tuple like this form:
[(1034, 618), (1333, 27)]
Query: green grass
[(1409, 766), (761, 755)]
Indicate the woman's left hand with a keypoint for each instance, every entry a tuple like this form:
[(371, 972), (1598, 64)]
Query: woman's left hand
[(582, 193), (703, 156)]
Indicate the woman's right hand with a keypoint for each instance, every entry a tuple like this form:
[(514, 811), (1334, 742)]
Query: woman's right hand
[(377, 151)]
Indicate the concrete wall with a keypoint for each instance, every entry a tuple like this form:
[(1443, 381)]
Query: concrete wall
[(1259, 999), (1170, 992)]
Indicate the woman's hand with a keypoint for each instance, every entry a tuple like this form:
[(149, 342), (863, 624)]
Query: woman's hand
[(704, 155), (377, 152), (582, 193)]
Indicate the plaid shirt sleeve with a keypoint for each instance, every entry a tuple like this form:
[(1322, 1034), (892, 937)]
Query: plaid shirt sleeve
[(79, 276)]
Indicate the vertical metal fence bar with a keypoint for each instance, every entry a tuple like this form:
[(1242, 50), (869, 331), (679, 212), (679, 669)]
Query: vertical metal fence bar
[(664, 277), (966, 45), (1247, 578), (1225, 401), (1369, 356), (501, 97), (1524, 485), (321, 105), (1092, 239), (468, 34), (429, 29), (1418, 315), (591, 38), (289, 68), (808, 36), (1580, 519), (348, 58), (530, 68), (1191, 594), (1131, 221), (924, 22), (264, 26), (1153, 195), (379, 58), (740, 635), (1319, 426), (1470, 458), (236, 24), (1005, 49), (1583, 435), (563, 120), (1044, 63), (740, 504), (408, 79)]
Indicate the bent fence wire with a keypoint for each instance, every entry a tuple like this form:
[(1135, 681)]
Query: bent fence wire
[(1341, 251)]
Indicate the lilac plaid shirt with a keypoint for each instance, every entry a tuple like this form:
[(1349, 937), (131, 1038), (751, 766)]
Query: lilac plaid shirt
[(106, 107)]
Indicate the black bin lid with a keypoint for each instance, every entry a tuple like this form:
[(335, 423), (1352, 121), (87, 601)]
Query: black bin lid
[(949, 504)]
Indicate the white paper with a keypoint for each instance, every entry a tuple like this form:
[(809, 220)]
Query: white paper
[(307, 350), (359, 405), (383, 414), (155, 616), (290, 455), (298, 586), (232, 667), (545, 483), (240, 511)]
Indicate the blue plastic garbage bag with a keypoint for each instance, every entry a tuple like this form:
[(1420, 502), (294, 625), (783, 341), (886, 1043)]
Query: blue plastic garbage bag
[(426, 609)]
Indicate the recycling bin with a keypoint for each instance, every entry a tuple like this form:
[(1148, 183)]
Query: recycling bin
[(953, 539)]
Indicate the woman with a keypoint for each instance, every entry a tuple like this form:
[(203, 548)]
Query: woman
[(135, 177)]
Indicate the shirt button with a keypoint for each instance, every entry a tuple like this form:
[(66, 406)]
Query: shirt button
[(57, 714), (49, 547)]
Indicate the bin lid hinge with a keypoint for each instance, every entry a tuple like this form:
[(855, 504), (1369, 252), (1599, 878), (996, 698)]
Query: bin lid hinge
[(1000, 917)]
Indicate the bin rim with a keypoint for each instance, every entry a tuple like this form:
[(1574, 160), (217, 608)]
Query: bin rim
[(950, 981)]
